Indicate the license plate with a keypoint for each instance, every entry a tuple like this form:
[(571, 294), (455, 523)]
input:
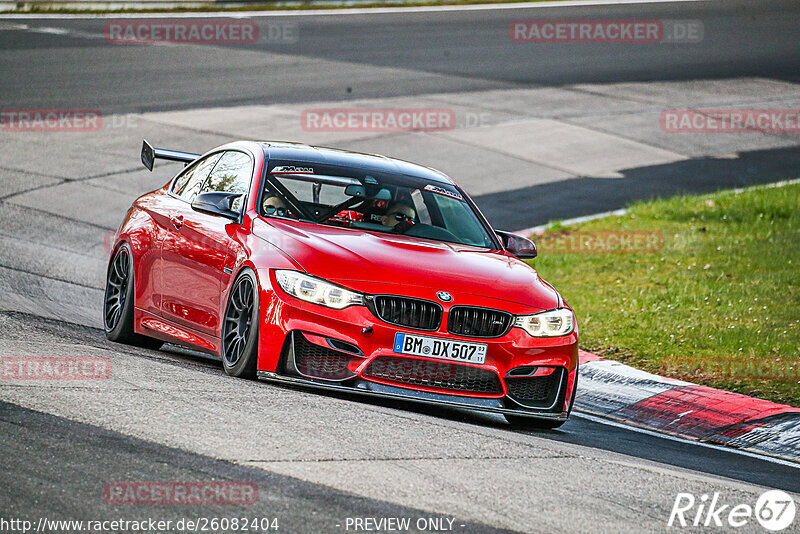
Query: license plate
[(444, 349)]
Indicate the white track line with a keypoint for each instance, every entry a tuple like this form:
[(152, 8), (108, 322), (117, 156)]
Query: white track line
[(720, 448), (576, 220), (620, 212), (343, 11)]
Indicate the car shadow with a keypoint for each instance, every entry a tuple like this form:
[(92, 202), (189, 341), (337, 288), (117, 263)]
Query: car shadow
[(591, 433), (540, 204)]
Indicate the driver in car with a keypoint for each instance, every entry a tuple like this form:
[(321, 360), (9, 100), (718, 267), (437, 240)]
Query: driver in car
[(275, 205), (399, 215)]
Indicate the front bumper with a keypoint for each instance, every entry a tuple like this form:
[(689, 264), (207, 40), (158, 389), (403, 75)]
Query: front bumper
[(363, 338)]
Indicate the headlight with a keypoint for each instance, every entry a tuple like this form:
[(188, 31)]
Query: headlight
[(551, 323), (318, 291)]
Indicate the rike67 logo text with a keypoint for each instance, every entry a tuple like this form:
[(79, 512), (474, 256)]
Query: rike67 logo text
[(774, 510)]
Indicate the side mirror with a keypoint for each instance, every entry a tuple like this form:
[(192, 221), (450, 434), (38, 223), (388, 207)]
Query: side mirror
[(217, 204), (519, 246)]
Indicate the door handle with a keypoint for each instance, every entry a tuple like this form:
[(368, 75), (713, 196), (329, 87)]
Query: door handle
[(177, 222)]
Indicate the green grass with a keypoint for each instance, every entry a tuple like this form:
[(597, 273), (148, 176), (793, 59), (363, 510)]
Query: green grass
[(265, 6), (725, 287)]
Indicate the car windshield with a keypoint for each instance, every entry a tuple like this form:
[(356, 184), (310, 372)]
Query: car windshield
[(396, 204)]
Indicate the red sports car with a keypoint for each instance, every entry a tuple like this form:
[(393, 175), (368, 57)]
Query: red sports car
[(345, 271)]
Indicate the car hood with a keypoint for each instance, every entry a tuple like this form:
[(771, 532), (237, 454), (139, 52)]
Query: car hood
[(377, 263)]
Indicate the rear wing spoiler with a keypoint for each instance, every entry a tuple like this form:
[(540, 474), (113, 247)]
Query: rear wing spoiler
[(150, 154)]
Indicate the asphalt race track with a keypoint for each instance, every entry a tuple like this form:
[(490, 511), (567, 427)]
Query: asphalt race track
[(318, 459), (337, 57)]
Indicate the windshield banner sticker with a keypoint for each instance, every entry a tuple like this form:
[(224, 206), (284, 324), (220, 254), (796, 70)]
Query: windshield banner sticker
[(291, 169), (443, 191)]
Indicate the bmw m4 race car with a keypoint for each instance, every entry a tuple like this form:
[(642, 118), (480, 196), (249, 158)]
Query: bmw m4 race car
[(345, 271)]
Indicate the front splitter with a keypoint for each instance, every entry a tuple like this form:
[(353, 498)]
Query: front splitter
[(372, 389)]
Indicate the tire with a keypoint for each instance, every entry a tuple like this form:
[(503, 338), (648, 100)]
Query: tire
[(522, 422), (240, 327), (118, 302)]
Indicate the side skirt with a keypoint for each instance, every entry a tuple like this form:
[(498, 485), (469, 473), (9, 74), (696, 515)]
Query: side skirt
[(148, 324)]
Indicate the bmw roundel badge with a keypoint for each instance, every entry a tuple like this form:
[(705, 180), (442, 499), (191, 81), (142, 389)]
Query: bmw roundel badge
[(444, 296)]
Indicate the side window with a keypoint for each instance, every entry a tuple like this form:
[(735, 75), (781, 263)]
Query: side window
[(187, 186), (231, 175)]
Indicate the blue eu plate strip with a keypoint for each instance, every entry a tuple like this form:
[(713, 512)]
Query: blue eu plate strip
[(399, 340)]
